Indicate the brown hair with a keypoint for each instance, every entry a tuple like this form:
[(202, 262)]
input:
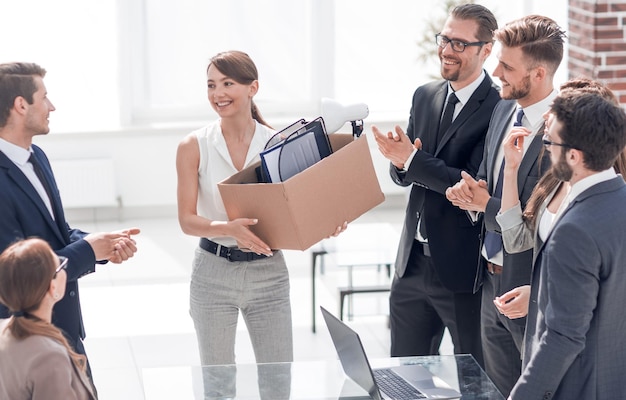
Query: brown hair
[(548, 182), (26, 269), (540, 39), (593, 125), (17, 80), (486, 21), (238, 66)]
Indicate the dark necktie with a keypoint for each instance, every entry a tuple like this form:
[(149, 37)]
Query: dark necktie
[(42, 178), (446, 121), (493, 240), (448, 115)]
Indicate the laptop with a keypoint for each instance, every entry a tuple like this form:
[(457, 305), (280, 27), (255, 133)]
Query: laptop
[(403, 382)]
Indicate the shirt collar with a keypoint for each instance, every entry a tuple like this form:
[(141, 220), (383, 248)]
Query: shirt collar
[(18, 155), (590, 181), (534, 113), (464, 94)]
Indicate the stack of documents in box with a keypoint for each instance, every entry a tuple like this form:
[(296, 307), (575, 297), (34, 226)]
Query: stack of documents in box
[(294, 149)]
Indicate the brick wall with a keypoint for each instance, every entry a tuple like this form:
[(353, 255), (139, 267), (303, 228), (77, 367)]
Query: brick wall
[(597, 42)]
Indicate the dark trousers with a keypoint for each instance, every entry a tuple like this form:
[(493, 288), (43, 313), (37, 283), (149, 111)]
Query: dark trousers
[(502, 339), (421, 308)]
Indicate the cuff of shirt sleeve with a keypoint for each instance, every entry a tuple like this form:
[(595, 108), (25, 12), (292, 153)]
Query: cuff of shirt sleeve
[(409, 160)]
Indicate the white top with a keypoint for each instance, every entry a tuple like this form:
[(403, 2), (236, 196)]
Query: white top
[(217, 165)]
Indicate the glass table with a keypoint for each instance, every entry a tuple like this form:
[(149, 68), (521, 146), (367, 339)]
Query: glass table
[(303, 380)]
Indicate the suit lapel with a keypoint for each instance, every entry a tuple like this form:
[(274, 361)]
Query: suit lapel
[(439, 99), (55, 197), (466, 112), (540, 211), (602, 187), (531, 157), (22, 182), (501, 125)]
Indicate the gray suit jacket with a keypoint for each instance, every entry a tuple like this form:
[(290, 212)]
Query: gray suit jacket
[(516, 266), (575, 345), (517, 234)]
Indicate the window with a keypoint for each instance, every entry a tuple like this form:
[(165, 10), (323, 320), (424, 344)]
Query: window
[(143, 62)]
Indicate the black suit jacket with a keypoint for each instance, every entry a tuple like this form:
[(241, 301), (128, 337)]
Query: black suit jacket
[(516, 267), (25, 215), (452, 238)]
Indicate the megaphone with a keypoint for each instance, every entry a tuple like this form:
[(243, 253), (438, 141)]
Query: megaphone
[(335, 115)]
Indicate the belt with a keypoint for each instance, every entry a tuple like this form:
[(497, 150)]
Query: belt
[(423, 247), (494, 269), (229, 253)]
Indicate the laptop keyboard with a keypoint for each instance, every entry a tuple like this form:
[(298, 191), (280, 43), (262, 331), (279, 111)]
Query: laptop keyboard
[(395, 386)]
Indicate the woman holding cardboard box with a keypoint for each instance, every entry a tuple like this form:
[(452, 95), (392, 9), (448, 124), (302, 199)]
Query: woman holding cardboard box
[(233, 269)]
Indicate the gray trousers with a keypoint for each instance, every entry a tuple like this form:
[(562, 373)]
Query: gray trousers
[(220, 289)]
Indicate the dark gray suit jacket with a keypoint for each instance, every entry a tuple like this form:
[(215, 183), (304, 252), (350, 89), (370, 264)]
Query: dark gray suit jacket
[(575, 345), (517, 266), (452, 238)]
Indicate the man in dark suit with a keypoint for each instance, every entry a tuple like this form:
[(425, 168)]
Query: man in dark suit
[(436, 261), (575, 346), (531, 51), (29, 199)]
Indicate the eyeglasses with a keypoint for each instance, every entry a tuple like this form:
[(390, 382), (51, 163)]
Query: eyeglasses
[(457, 45), (62, 265), (547, 143)]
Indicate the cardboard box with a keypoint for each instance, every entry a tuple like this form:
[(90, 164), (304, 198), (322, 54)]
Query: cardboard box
[(309, 206)]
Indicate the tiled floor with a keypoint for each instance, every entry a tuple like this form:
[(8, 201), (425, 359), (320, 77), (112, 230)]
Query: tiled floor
[(136, 314)]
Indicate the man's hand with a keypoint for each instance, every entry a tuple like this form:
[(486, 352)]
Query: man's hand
[(396, 148), (116, 246), (469, 194), (514, 303)]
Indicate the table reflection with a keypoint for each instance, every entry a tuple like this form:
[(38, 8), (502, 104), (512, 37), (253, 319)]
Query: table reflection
[(303, 380)]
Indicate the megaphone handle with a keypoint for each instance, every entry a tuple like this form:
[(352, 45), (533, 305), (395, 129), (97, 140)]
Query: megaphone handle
[(357, 128)]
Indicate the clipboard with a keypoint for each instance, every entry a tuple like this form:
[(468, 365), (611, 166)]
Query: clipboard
[(303, 147)]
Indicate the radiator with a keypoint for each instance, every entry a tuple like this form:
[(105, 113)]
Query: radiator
[(86, 183)]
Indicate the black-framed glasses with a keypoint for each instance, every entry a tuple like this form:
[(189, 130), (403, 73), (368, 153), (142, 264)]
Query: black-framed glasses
[(62, 265), (547, 143), (457, 45)]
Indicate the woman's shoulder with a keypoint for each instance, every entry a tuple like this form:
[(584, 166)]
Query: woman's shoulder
[(207, 131), (33, 351), (199, 137), (40, 343)]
